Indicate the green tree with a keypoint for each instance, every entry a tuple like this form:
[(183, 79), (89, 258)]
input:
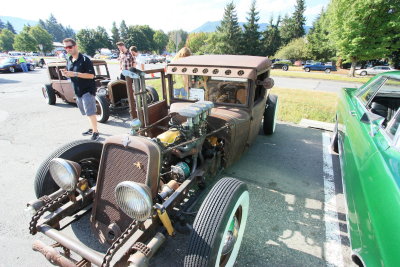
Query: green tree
[(86, 43), (2, 25), (6, 40), (251, 34), (271, 38), (24, 41), (148, 33), (196, 42), (10, 27), (115, 37), (160, 41), (57, 30), (42, 37), (298, 20), (365, 29), (295, 49), (102, 38), (229, 33), (319, 44), (123, 31), (140, 36)]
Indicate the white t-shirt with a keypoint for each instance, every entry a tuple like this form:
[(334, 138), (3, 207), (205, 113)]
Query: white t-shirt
[(139, 61)]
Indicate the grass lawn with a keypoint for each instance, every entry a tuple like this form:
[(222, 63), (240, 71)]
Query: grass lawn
[(295, 105), (318, 75)]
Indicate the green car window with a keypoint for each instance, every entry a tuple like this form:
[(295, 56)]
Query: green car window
[(370, 89), (393, 126)]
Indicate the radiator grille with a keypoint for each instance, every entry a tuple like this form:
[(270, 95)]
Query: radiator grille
[(120, 164)]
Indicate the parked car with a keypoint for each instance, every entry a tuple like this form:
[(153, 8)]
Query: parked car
[(374, 70), (111, 95), (282, 66), (11, 65), (319, 66), (140, 188), (367, 137)]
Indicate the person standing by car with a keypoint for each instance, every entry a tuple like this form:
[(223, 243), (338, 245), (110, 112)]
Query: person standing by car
[(80, 70), (134, 53), (22, 62), (125, 58)]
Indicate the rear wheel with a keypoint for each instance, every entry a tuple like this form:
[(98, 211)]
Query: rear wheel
[(219, 225), (31, 67), (269, 123), (11, 69), (102, 108), (327, 70), (49, 94), (285, 68), (86, 152), (307, 69), (363, 73)]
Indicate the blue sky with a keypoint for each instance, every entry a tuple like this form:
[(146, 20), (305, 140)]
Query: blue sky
[(159, 14)]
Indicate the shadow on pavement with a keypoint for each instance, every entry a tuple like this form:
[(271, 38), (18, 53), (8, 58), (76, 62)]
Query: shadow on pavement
[(8, 81)]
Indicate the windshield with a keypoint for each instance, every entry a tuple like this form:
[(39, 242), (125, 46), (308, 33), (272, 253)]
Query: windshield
[(6, 60), (215, 89), (369, 90)]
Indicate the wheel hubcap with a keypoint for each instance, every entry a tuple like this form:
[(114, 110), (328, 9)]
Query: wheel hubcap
[(231, 236)]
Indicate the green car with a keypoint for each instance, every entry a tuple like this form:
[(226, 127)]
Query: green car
[(366, 137)]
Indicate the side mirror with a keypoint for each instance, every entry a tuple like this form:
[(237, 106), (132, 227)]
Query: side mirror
[(268, 83)]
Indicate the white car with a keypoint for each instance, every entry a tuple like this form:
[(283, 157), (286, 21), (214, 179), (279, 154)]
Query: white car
[(374, 70)]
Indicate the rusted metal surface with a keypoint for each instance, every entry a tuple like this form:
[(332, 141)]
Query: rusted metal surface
[(77, 247), (52, 254), (117, 165)]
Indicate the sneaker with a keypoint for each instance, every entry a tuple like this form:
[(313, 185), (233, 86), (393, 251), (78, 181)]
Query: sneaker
[(88, 132), (95, 136)]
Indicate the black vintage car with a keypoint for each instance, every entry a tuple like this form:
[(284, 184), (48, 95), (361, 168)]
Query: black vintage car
[(282, 66), (11, 65)]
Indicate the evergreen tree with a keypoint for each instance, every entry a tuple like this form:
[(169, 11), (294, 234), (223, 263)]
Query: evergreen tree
[(319, 44), (271, 39), (102, 39), (123, 30), (286, 29), (229, 34), (115, 33), (365, 29), (69, 33), (6, 40), (179, 36), (10, 27), (251, 34), (2, 25), (85, 39), (298, 20), (57, 30)]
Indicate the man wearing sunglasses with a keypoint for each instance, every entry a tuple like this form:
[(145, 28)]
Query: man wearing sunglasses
[(81, 72)]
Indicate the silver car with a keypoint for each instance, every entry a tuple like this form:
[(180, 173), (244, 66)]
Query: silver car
[(374, 70)]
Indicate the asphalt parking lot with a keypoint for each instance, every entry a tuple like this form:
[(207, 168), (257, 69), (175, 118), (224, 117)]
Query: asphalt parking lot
[(297, 212)]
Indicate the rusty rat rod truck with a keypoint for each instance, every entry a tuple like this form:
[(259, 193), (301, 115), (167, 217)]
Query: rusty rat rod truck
[(140, 187)]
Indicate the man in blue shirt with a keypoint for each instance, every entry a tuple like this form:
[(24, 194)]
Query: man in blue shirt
[(80, 70)]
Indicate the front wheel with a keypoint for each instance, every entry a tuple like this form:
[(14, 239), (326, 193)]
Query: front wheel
[(271, 110), (152, 95), (219, 226), (285, 68), (363, 73), (328, 71), (11, 69), (85, 152), (49, 94), (307, 69), (102, 108), (31, 67)]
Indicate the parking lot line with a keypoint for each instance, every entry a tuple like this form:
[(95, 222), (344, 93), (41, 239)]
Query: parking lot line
[(333, 246)]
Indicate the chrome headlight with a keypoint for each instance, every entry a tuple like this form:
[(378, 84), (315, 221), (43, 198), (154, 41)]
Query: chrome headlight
[(134, 199), (65, 173)]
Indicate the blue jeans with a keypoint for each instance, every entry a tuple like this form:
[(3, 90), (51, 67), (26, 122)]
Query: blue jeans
[(24, 67)]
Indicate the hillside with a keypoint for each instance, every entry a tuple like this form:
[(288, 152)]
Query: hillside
[(18, 23)]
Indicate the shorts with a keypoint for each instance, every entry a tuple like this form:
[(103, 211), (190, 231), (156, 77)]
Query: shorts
[(87, 104)]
